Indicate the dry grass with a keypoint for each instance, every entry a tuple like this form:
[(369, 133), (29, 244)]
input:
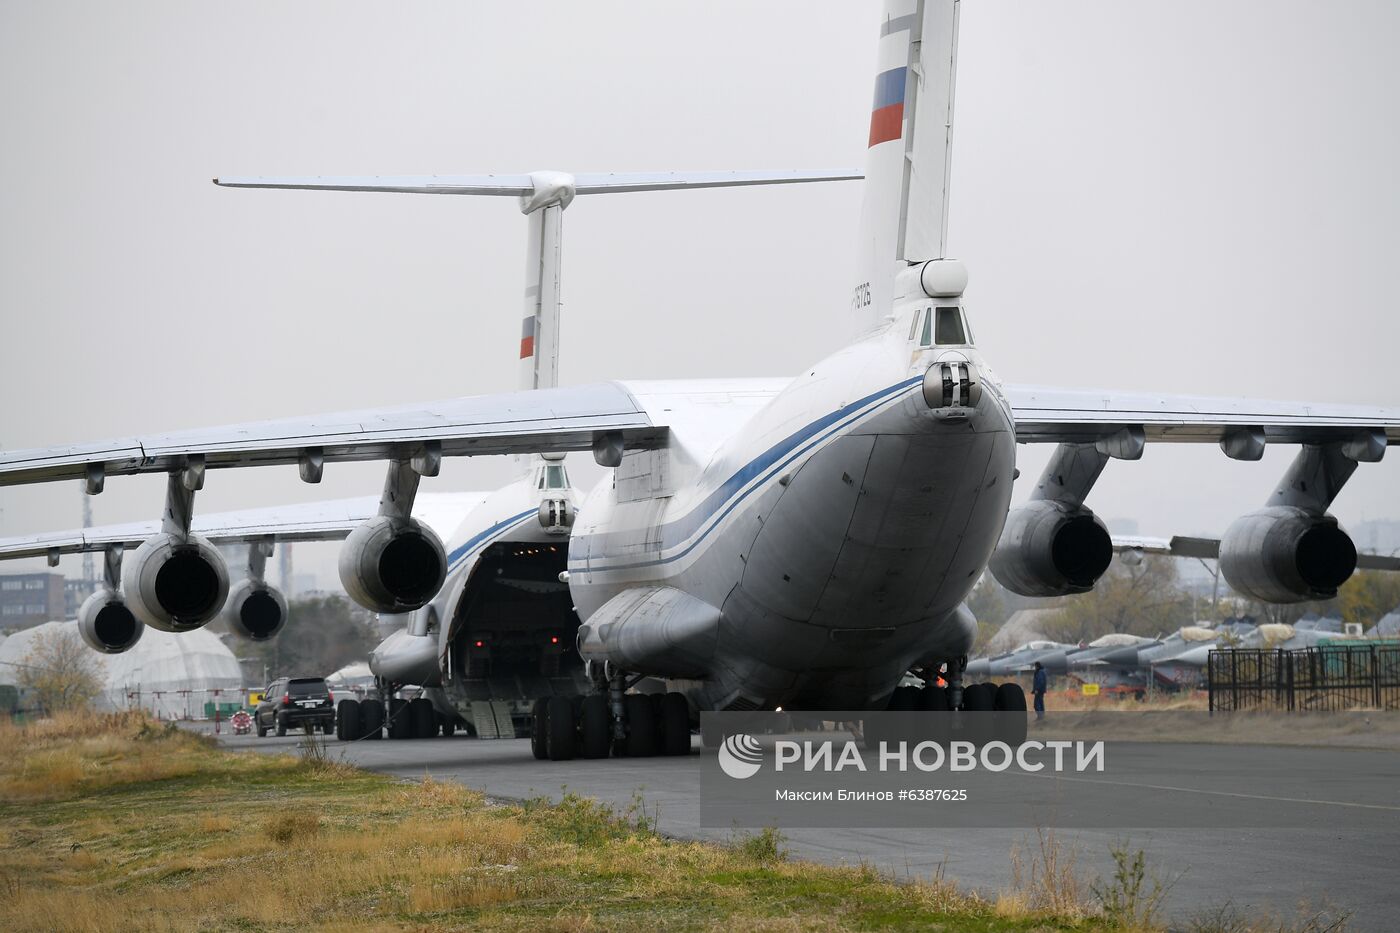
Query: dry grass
[(192, 837)]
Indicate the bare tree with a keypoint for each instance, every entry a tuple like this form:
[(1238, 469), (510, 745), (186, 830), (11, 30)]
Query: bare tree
[(60, 672), (1138, 599)]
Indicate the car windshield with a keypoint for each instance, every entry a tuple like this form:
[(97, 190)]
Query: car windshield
[(306, 687)]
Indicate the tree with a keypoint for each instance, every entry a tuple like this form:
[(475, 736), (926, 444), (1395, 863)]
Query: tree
[(1142, 598), (322, 635), (60, 671), (989, 606)]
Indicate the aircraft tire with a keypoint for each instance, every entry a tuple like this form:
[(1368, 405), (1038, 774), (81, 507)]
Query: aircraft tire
[(979, 699), (400, 719), (641, 726), (675, 725), (539, 724), (1010, 716), (595, 727), (372, 719), (560, 731), (422, 718), (904, 699), (711, 736), (347, 720), (449, 727)]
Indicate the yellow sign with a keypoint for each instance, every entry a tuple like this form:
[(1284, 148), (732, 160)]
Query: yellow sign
[(255, 697), (1090, 690)]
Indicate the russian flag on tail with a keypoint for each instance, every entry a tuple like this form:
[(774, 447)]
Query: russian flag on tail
[(887, 118)]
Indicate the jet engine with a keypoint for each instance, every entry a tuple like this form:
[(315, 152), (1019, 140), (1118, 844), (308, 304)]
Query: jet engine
[(392, 564), (175, 583), (107, 625), (255, 610), (1285, 554), (1050, 548)]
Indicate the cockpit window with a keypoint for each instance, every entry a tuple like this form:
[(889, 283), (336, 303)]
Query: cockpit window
[(914, 324), (555, 478), (949, 331), (927, 339)]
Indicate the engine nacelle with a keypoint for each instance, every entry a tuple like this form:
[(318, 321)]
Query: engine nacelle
[(175, 584), (392, 564), (1049, 548), (255, 610), (107, 624), (1284, 554)]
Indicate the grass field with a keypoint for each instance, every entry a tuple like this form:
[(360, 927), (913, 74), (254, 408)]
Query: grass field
[(120, 823)]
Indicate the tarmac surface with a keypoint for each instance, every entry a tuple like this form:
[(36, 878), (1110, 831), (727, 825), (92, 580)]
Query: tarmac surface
[(1326, 860)]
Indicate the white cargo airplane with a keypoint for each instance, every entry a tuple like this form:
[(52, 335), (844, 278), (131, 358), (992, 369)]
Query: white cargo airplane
[(798, 542)]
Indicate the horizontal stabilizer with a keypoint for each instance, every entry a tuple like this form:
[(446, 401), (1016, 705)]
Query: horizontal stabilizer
[(524, 185)]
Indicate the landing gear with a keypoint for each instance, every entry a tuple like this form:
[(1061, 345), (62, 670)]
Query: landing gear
[(649, 725), (594, 727), (347, 720), (423, 718), (371, 719), (993, 712)]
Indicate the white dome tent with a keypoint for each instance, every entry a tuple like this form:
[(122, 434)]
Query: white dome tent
[(172, 676)]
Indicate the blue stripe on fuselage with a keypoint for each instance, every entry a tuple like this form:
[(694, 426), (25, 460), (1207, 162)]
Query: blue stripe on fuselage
[(769, 461), (481, 537)]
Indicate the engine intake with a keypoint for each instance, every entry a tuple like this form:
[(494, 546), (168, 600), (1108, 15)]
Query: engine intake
[(255, 610), (107, 624), (392, 564), (1049, 548), (1285, 554), (174, 583)]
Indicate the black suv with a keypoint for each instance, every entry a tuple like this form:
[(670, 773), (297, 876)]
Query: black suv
[(293, 702)]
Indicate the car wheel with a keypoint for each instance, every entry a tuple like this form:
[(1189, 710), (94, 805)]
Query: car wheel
[(281, 726)]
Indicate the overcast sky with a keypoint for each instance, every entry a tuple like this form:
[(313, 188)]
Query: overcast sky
[(1195, 197)]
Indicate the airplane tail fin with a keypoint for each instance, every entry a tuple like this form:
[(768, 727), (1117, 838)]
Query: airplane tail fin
[(904, 216), (543, 198)]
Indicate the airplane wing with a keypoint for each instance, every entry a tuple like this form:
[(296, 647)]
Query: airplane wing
[(329, 520), (1053, 416), (536, 421), (1209, 549)]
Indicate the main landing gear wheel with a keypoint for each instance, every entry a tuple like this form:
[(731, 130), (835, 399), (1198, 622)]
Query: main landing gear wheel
[(372, 719), (559, 729), (595, 727), (675, 725), (449, 726), (400, 721), (1009, 720), (423, 718), (347, 720), (980, 700), (641, 725), (538, 728)]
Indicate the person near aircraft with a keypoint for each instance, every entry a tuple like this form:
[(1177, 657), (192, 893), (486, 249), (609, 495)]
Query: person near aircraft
[(1038, 686)]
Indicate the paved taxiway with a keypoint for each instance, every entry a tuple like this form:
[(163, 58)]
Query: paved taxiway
[(1318, 861)]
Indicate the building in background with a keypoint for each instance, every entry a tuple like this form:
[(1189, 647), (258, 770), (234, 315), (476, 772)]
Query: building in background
[(29, 599)]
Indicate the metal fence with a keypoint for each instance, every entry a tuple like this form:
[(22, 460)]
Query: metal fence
[(1326, 678)]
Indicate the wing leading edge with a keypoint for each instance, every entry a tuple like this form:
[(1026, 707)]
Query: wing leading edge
[(1050, 415), (538, 421)]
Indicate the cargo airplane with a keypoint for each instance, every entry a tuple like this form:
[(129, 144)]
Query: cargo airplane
[(798, 542)]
